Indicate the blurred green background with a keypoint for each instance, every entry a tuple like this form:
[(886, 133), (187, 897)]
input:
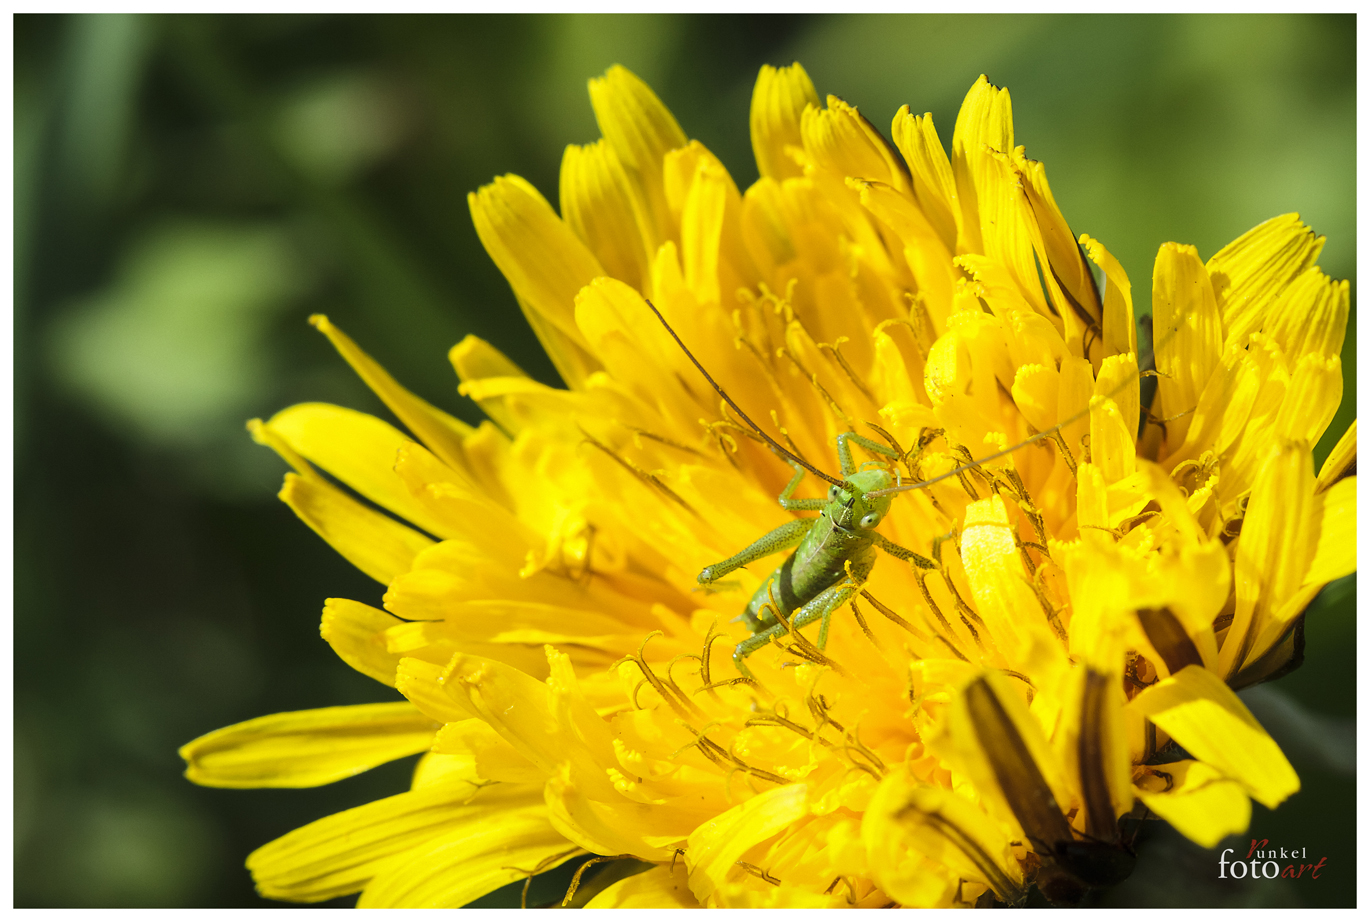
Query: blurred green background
[(188, 190)]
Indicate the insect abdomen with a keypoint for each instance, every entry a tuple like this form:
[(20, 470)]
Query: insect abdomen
[(818, 563)]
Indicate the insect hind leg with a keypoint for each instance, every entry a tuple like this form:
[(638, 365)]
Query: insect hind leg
[(819, 607)]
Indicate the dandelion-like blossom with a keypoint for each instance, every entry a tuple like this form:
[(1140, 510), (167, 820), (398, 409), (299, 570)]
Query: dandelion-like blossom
[(1053, 650)]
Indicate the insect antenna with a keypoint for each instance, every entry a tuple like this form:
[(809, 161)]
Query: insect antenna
[(1045, 434), (978, 461), (775, 446)]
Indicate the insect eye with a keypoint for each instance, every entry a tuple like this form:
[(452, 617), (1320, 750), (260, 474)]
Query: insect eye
[(870, 520), (832, 493)]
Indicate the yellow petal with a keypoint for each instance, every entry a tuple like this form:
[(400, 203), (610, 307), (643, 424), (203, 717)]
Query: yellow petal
[(1120, 330), (896, 355), (1208, 719), (1066, 263), (421, 682), (906, 816), (701, 229), (1335, 556), (476, 360), (928, 257), (1250, 272), (1010, 236), (356, 633), (597, 204), (746, 894), (1275, 551), (375, 544), (1111, 440), (839, 138), (1036, 392), (443, 434), (610, 827), (339, 854), (715, 847), (1341, 461), (1032, 338), (1187, 332), (1202, 804), (985, 119), (1100, 591), (659, 888), (635, 348), (1093, 746), (488, 849), (543, 262), (641, 131), (1310, 315), (304, 749), (1076, 389), (493, 758), (525, 712), (1311, 400), (465, 510), (778, 102), (934, 186), (356, 448), (435, 768), (1091, 500), (1224, 407), (764, 229), (1198, 580), (992, 737), (1118, 381), (994, 569), (263, 435)]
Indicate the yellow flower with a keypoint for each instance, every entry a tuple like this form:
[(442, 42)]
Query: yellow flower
[(1056, 637)]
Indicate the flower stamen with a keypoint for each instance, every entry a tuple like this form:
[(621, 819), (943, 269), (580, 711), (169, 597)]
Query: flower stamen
[(851, 888), (639, 434), (894, 616), (676, 703), (580, 871), (836, 349), (861, 623), (758, 872), (785, 434), (813, 380), (645, 476), (1053, 616), (1060, 442), (541, 866), (760, 356), (801, 646)]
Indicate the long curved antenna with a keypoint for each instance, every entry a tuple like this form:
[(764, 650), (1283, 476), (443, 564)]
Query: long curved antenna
[(1046, 433), (978, 461), (775, 446)]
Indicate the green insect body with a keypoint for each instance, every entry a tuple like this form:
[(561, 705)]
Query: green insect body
[(835, 553)]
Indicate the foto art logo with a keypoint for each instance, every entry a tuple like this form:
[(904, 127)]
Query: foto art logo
[(1261, 861)]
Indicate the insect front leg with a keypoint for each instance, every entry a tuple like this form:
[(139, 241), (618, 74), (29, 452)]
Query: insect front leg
[(799, 505), (786, 536), (903, 553), (820, 606), (844, 450)]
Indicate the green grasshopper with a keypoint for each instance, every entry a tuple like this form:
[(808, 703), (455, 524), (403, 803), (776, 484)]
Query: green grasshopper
[(836, 551)]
